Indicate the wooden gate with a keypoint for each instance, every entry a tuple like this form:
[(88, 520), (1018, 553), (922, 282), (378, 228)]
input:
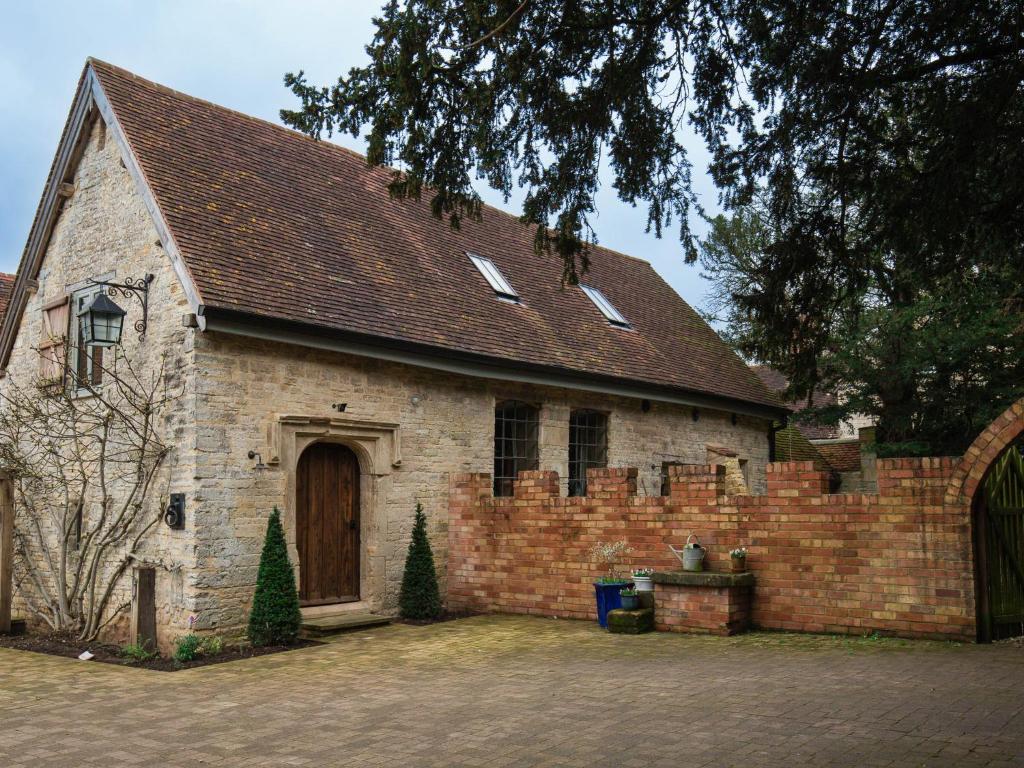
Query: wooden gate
[(327, 524), (999, 547)]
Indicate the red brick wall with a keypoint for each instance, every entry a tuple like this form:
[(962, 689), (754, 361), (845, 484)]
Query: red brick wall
[(701, 610), (898, 561)]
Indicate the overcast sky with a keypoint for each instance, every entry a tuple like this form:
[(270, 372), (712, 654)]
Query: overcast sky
[(232, 52)]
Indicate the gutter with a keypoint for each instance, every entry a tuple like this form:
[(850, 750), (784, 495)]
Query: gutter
[(247, 324)]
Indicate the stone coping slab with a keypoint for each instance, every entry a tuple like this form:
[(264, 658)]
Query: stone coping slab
[(703, 578)]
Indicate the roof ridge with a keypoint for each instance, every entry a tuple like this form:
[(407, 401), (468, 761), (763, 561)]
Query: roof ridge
[(199, 99), (92, 60)]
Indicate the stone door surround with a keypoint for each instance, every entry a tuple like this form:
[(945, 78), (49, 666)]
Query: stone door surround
[(377, 446)]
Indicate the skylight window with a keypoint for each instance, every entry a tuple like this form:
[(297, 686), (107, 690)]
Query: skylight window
[(494, 277), (607, 309)]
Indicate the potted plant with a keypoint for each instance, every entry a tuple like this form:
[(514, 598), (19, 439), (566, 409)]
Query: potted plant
[(630, 601), (642, 580), (738, 558), (607, 587)]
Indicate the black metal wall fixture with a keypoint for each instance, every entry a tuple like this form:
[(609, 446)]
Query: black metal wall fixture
[(132, 288)]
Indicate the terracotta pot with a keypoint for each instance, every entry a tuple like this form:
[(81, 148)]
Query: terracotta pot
[(739, 564)]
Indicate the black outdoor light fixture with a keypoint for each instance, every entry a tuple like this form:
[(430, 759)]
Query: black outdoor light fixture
[(100, 323), (259, 460)]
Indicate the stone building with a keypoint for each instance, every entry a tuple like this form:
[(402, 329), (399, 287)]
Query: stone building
[(340, 353)]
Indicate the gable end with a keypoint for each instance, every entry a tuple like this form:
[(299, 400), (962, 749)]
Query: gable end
[(90, 104)]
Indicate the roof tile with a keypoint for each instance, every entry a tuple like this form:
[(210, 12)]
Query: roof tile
[(777, 382), (6, 286), (273, 223), (843, 456)]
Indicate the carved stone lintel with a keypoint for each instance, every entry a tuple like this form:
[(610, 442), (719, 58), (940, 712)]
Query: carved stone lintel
[(380, 441)]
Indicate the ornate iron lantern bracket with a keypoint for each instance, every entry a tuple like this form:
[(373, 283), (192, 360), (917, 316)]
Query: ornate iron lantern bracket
[(131, 287)]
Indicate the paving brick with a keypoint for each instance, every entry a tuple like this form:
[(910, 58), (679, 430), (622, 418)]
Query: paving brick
[(521, 691)]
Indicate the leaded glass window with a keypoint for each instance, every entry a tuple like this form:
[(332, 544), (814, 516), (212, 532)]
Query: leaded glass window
[(588, 447), (515, 443)]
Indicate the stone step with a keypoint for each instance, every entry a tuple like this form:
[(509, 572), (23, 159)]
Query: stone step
[(321, 626), (622, 622)]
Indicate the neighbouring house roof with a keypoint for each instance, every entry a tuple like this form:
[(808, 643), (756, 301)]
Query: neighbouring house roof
[(843, 455), (6, 286), (778, 383), (792, 445), (268, 226)]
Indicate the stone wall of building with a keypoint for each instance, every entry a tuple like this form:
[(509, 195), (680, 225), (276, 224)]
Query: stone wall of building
[(233, 393), (445, 424), (898, 561), (105, 232)]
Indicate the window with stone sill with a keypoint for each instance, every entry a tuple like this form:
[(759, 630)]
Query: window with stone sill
[(588, 447), (516, 428), (85, 362)]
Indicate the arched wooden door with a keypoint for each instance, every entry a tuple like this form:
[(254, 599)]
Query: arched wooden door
[(999, 547), (327, 524)]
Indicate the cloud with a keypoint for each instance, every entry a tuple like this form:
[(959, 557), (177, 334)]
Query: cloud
[(233, 53)]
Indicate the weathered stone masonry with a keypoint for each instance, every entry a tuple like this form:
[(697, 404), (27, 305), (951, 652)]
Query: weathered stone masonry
[(104, 229), (445, 424), (898, 561)]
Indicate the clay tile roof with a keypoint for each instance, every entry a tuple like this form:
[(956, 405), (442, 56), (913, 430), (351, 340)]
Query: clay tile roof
[(843, 456), (778, 383), (273, 224), (6, 286), (791, 445)]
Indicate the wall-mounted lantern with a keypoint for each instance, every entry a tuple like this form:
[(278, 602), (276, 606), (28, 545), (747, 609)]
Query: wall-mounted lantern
[(101, 322), (259, 460)]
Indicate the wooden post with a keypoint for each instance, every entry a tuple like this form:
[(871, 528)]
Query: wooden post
[(143, 629), (6, 553)]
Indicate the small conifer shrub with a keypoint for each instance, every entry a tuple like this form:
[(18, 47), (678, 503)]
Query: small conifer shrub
[(420, 598), (275, 618)]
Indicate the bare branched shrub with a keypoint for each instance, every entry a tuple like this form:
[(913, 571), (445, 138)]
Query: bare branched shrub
[(84, 462)]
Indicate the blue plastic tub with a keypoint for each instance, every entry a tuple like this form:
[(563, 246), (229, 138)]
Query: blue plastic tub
[(608, 599)]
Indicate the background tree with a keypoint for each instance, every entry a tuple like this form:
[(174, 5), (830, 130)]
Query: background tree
[(275, 617), (419, 597), (84, 472), (935, 363), (887, 136)]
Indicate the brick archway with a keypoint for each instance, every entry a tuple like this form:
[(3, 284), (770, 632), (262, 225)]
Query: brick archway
[(985, 449)]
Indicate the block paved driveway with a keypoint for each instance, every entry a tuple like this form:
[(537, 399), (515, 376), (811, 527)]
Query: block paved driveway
[(514, 691)]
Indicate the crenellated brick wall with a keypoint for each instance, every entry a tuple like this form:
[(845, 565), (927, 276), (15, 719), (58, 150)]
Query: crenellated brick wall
[(898, 561)]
